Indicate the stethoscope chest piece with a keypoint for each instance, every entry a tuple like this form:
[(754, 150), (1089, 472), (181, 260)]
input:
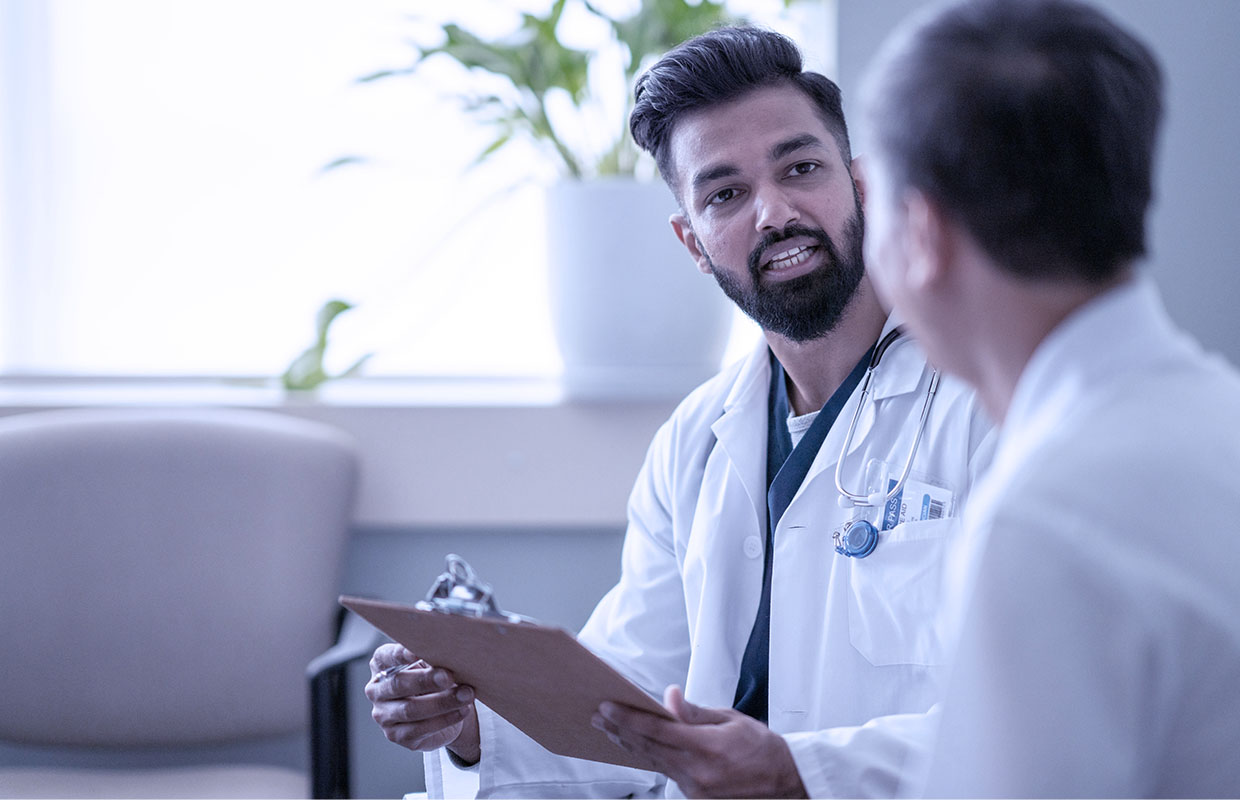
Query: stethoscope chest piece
[(856, 539)]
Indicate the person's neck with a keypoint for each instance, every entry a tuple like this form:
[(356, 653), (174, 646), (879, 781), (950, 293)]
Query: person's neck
[(816, 368), (1034, 312)]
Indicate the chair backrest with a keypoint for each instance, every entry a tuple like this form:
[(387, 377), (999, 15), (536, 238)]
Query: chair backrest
[(166, 575)]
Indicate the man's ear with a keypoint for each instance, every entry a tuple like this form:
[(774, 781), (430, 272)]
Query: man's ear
[(858, 175), (684, 232), (931, 241)]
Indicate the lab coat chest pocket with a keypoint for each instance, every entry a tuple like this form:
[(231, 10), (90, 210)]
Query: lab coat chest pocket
[(895, 592)]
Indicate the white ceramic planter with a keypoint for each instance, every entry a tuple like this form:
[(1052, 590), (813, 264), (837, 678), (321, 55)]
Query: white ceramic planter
[(632, 314)]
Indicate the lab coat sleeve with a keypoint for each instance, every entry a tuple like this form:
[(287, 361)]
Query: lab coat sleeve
[(867, 760), (639, 627), (514, 765)]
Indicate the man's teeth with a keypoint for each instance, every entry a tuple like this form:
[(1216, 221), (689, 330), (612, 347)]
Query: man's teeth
[(790, 258)]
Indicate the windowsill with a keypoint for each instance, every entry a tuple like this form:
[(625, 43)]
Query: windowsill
[(434, 452), (68, 391), (369, 392)]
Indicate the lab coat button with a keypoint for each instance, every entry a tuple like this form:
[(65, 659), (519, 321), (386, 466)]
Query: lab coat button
[(753, 546)]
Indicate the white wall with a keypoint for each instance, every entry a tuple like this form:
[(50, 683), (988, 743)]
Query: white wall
[(1195, 225)]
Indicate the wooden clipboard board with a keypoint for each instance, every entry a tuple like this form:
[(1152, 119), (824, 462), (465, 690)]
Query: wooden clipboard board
[(539, 678)]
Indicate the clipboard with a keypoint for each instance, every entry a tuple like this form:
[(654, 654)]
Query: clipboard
[(539, 678)]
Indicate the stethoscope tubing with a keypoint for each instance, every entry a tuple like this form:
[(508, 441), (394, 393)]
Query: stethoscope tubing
[(863, 499)]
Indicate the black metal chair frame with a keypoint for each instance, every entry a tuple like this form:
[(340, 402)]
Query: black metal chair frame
[(328, 677)]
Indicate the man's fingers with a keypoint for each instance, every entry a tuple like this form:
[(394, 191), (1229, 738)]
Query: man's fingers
[(390, 655), (709, 752), (423, 707), (664, 758), (416, 682), (418, 706), (426, 708), (427, 734), (626, 719), (609, 730)]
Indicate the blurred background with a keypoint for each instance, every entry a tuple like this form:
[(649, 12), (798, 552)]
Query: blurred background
[(187, 186)]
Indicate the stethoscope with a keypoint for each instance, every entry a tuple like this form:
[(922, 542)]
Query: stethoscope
[(858, 537)]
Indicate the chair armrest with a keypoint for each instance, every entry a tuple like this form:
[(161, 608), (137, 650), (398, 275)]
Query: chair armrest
[(329, 705)]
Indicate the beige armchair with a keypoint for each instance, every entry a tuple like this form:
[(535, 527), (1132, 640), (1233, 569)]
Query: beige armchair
[(166, 577)]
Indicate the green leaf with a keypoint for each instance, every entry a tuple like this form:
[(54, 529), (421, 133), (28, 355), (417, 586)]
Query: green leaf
[(384, 73), (343, 161), (352, 371), (660, 25), (306, 372), (327, 314), (490, 149)]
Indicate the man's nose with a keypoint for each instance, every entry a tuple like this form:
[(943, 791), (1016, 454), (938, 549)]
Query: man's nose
[(775, 209)]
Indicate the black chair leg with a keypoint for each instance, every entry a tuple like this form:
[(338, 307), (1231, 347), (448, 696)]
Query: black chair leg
[(329, 707)]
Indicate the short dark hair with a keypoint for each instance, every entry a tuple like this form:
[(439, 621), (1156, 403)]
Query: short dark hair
[(716, 67), (1032, 122)]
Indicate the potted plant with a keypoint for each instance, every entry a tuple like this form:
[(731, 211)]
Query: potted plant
[(630, 313)]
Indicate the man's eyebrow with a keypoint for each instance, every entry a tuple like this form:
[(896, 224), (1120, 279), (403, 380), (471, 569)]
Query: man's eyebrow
[(801, 142), (713, 174)]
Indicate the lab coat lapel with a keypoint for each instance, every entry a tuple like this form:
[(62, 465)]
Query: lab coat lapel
[(741, 431)]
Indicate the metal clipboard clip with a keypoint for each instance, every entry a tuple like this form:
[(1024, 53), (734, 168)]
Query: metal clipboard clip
[(460, 591), (457, 591)]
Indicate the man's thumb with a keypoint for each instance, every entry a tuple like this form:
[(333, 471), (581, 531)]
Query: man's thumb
[(688, 713)]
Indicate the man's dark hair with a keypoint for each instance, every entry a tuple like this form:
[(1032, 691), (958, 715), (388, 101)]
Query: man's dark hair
[(716, 67), (1032, 123)]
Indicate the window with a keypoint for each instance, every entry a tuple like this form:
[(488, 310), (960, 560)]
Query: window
[(167, 210)]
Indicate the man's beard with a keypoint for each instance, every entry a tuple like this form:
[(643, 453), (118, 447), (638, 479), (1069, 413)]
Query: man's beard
[(809, 306)]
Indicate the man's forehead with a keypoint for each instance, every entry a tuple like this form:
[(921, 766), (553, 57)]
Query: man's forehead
[(754, 125)]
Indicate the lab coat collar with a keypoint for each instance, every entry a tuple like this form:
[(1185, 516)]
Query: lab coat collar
[(752, 381), (754, 377), (1122, 328), (1084, 352), (902, 370), (897, 373), (742, 428)]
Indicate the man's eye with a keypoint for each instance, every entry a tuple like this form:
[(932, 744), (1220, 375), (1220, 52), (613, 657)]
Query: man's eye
[(721, 196), (804, 168)]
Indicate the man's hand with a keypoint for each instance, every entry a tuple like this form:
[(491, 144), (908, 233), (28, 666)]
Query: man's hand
[(710, 752), (422, 708)]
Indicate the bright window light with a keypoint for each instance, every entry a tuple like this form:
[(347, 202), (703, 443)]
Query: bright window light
[(167, 210)]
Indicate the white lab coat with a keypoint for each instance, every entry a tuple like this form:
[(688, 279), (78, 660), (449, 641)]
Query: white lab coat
[(850, 640), (1100, 653)]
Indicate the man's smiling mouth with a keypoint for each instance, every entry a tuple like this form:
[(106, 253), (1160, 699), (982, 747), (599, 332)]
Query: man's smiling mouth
[(790, 258)]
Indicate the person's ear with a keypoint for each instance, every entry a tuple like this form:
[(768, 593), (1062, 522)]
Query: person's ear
[(930, 241), (684, 232), (858, 176)]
